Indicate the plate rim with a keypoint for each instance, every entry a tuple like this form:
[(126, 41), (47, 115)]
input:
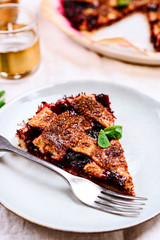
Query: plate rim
[(74, 231), (79, 81), (45, 87)]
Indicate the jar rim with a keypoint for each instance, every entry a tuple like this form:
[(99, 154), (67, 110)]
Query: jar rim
[(19, 6)]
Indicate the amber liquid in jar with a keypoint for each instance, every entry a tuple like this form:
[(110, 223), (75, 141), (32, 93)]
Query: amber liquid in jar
[(18, 55), (8, 14)]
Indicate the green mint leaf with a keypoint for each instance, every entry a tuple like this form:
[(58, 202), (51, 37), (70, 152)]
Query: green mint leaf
[(123, 3), (113, 132), (105, 135), (2, 102), (2, 93), (103, 140)]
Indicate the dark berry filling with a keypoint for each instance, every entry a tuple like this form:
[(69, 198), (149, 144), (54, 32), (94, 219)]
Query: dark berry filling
[(29, 136), (92, 22), (74, 162), (74, 12), (111, 178), (104, 100), (62, 106), (94, 132), (114, 178)]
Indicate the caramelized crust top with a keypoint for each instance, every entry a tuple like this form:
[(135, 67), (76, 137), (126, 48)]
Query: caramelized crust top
[(65, 132), (42, 119), (91, 109)]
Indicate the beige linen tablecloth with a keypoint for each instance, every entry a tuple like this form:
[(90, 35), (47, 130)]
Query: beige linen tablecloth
[(64, 60)]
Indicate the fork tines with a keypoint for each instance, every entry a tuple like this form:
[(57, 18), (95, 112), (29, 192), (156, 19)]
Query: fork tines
[(117, 203)]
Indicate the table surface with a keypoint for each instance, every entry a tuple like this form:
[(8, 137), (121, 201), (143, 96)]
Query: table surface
[(64, 60)]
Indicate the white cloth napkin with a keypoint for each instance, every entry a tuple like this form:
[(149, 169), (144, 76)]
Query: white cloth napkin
[(64, 60)]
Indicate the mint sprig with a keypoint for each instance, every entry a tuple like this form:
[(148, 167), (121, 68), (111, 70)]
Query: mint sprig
[(109, 133), (2, 101), (123, 3)]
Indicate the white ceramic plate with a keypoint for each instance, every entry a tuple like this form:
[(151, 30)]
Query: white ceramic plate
[(127, 40), (43, 197)]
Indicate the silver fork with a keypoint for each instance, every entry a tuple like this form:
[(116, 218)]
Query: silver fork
[(86, 191)]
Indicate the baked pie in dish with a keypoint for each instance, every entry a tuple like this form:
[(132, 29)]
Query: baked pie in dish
[(66, 134), (89, 15)]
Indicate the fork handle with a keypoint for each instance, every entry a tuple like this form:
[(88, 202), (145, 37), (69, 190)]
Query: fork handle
[(7, 146)]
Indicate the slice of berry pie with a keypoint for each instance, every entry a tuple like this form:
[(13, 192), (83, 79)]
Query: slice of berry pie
[(71, 134)]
